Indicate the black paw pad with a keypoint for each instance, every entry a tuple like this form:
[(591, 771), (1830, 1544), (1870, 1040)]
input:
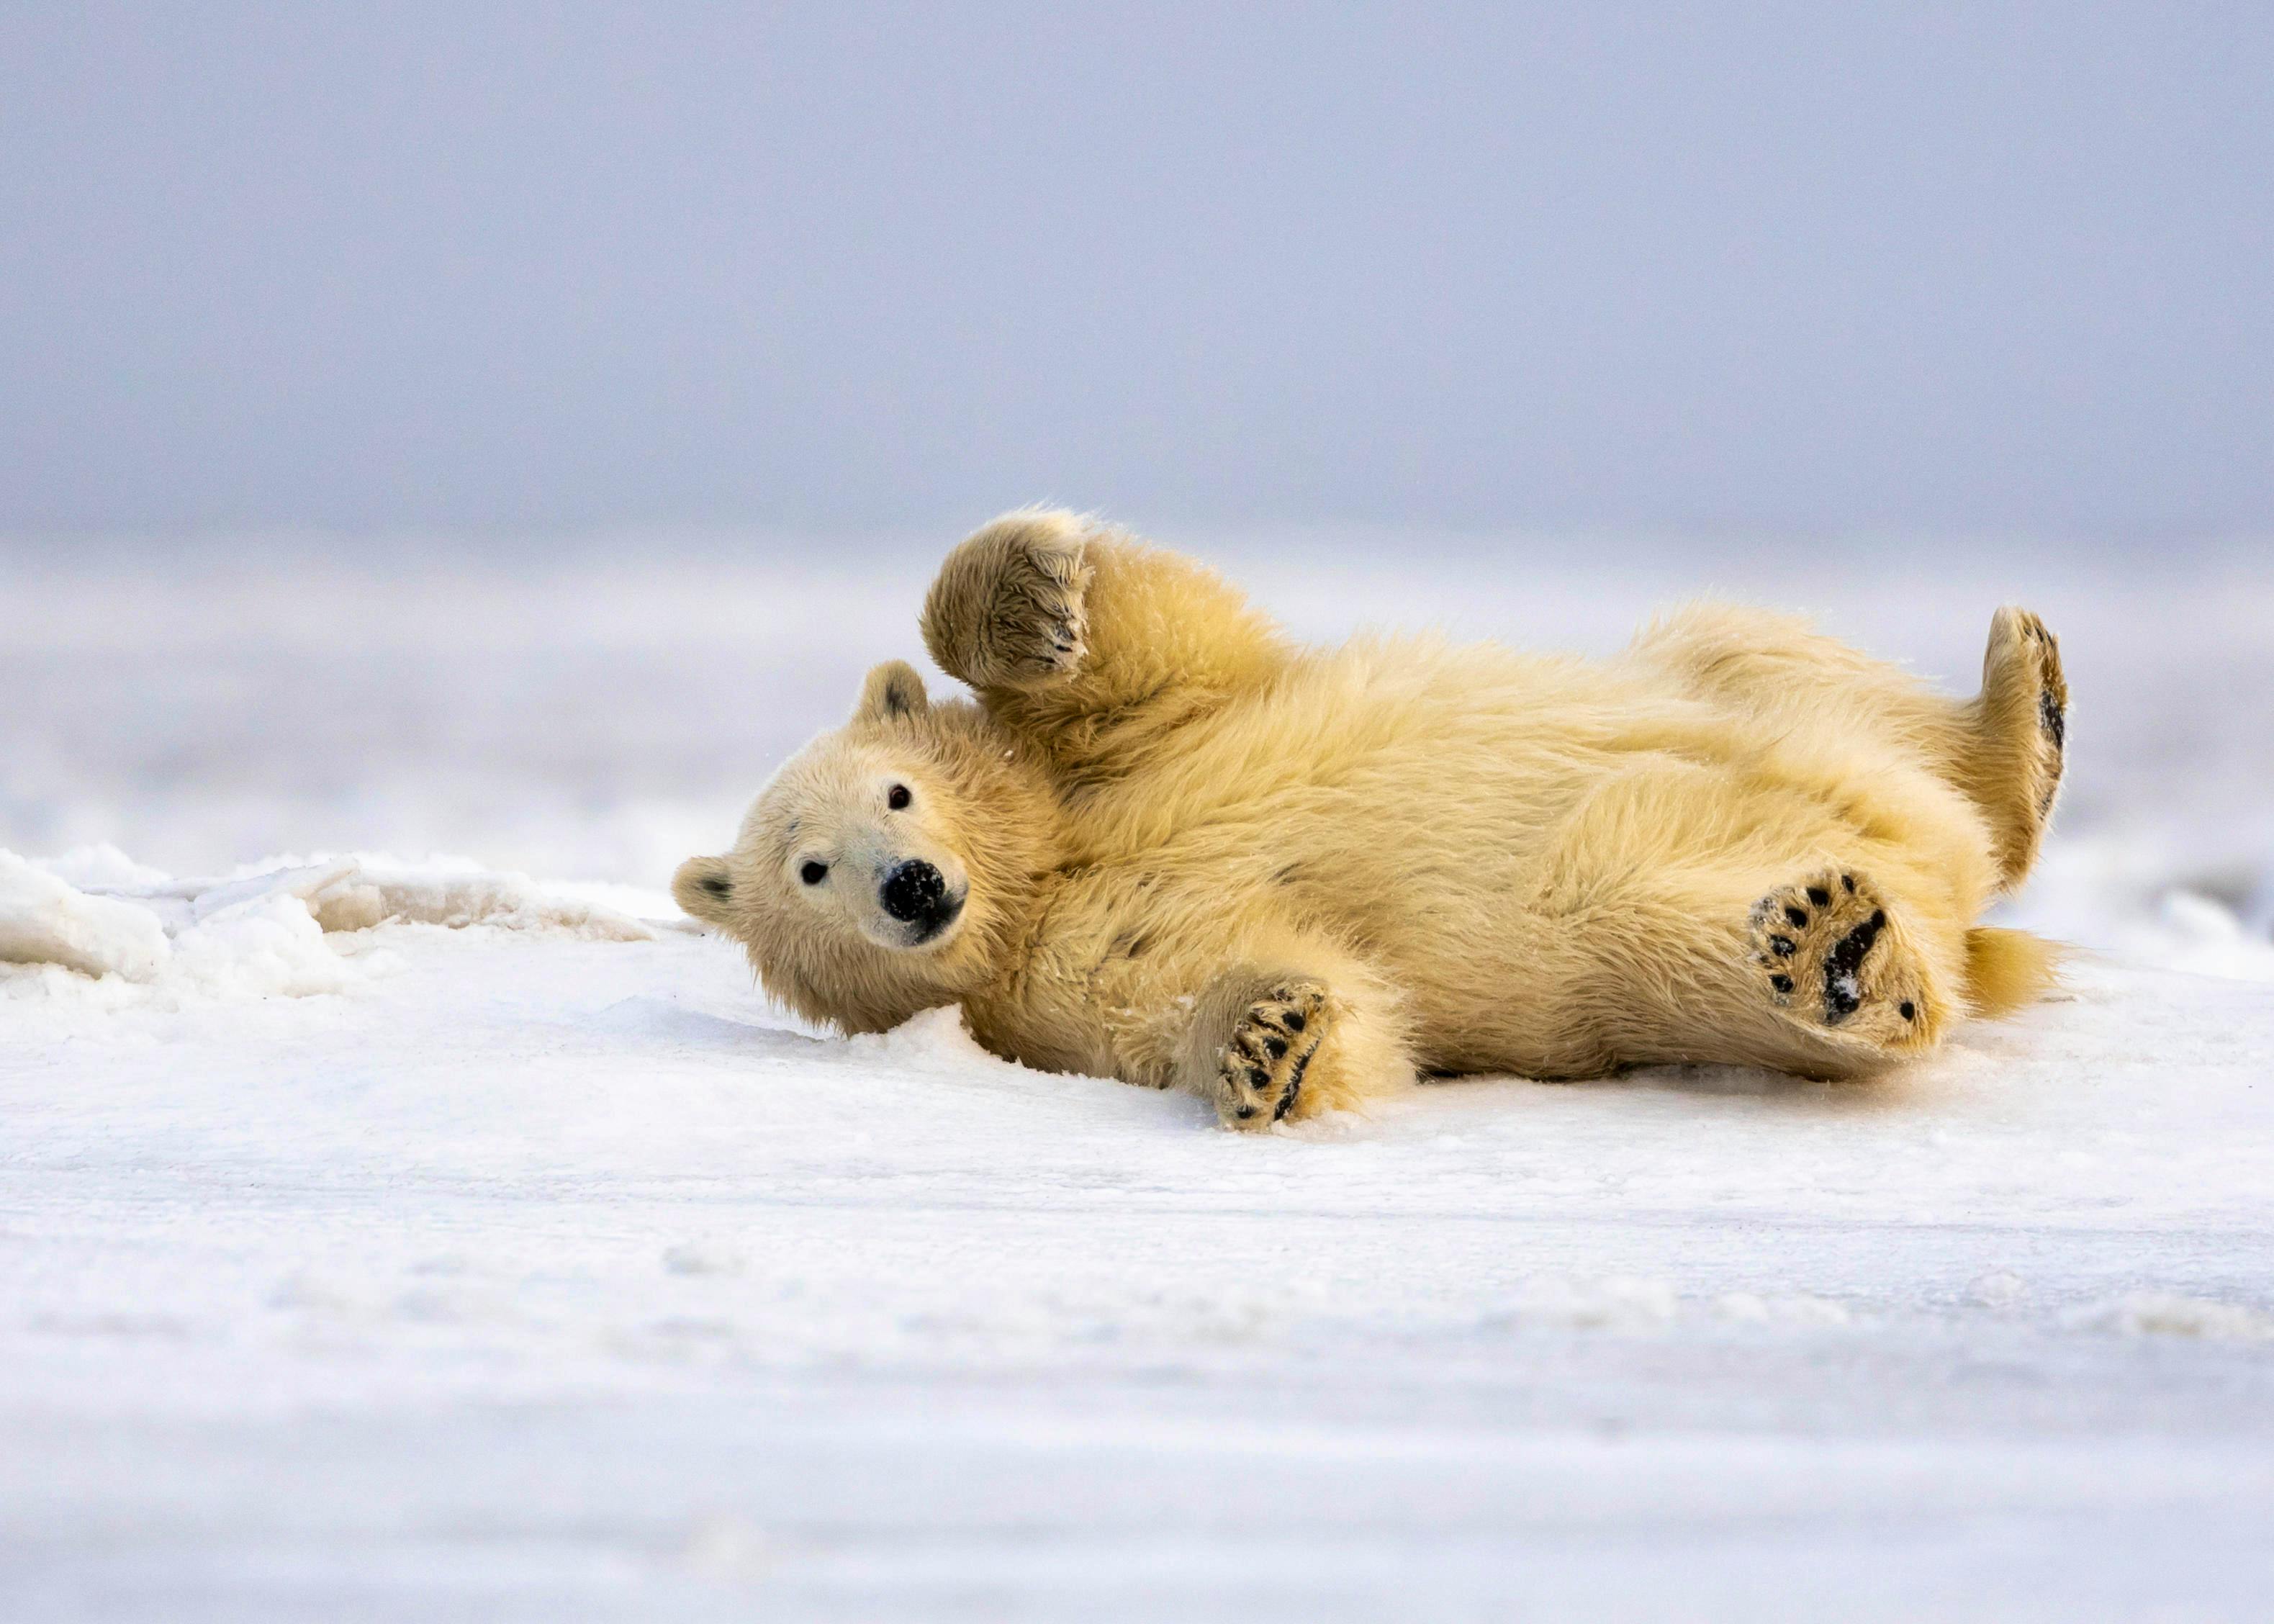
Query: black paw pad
[(1783, 946), (1782, 984), (1820, 897), (1907, 1009), (2052, 721), (1842, 996), (1295, 1021), (1275, 1047), (1798, 916)]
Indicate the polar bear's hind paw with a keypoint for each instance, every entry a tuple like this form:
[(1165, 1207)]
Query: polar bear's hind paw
[(1259, 1074), (2023, 736), (1829, 954)]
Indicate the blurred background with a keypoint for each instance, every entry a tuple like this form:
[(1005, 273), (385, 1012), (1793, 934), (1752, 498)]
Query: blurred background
[(508, 429)]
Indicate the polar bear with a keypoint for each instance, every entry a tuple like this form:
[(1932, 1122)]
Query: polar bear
[(1167, 844)]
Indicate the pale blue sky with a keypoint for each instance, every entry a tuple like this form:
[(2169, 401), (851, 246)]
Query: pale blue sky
[(1941, 269)]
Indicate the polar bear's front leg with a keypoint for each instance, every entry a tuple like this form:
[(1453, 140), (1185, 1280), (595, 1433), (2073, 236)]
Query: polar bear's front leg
[(1276, 1046), (1252, 1044), (1006, 611), (1089, 644)]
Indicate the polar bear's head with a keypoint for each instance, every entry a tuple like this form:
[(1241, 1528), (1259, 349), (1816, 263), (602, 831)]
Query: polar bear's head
[(878, 873)]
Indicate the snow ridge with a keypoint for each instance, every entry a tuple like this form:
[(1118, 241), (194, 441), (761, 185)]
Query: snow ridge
[(93, 915)]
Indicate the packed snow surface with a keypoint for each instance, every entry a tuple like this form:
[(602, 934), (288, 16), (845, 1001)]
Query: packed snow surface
[(395, 1237)]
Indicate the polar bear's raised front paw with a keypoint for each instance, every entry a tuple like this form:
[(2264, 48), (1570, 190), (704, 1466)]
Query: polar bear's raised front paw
[(1830, 954), (1261, 1067), (1006, 609)]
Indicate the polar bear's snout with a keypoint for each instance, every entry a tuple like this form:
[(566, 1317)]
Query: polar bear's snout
[(916, 893)]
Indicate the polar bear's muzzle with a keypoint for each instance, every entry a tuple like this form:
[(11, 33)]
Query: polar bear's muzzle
[(916, 893)]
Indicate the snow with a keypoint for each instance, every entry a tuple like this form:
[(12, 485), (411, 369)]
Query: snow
[(266, 933), (389, 1235), (43, 920)]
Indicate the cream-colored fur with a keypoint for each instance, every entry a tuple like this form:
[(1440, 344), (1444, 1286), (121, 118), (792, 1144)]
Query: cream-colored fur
[(1191, 854)]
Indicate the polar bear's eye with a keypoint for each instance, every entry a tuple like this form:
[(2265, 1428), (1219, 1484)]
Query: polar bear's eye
[(814, 873), (899, 798)]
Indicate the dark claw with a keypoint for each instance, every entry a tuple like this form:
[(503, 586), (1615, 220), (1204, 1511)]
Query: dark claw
[(1848, 883)]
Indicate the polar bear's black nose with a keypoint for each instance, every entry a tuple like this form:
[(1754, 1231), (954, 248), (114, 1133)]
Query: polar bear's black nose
[(915, 894)]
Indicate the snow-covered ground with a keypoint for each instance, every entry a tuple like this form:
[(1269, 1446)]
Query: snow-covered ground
[(403, 1237)]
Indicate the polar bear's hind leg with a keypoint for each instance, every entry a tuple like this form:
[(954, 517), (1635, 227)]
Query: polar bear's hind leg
[(1831, 955), (2020, 728)]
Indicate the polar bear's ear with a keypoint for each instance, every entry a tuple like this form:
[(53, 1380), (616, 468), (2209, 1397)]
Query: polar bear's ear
[(893, 690), (705, 887)]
